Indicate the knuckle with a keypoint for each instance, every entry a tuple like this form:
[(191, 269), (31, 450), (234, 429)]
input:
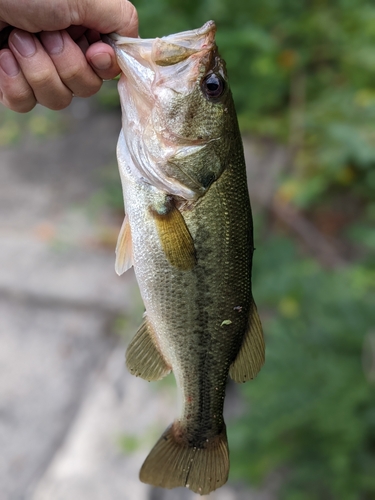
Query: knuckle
[(26, 108), (20, 101), (49, 90), (72, 73), (84, 84), (59, 104), (55, 99), (20, 107), (90, 90), (42, 78)]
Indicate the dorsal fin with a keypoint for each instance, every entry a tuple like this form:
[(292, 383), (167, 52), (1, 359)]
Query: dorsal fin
[(250, 358), (124, 248)]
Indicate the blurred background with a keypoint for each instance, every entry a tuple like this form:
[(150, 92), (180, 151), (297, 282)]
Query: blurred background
[(73, 424)]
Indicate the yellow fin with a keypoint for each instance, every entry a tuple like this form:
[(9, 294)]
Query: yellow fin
[(250, 358), (173, 462), (176, 240), (124, 248), (143, 356)]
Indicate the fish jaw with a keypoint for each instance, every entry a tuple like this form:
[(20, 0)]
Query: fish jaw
[(159, 89), (136, 55)]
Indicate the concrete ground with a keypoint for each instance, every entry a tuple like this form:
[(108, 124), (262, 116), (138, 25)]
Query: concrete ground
[(74, 425)]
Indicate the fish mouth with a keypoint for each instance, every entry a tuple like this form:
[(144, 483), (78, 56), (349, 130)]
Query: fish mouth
[(151, 60), (167, 50)]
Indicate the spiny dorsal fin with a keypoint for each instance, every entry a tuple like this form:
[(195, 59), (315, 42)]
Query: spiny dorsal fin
[(250, 358), (176, 240), (143, 356), (174, 462), (124, 248)]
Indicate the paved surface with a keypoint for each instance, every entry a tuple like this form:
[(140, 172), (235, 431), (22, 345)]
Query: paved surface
[(74, 425), (59, 295)]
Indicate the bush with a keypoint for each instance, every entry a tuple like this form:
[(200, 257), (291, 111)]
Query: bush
[(311, 410), (301, 72)]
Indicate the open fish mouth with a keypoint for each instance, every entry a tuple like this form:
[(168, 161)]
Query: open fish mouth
[(170, 49), (152, 60)]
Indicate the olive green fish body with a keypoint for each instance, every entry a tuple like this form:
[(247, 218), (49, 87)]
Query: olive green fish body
[(188, 232), (199, 315)]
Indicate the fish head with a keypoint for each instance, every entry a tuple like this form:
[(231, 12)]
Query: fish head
[(177, 110)]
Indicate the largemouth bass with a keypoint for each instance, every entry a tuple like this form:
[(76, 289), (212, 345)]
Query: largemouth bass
[(188, 233)]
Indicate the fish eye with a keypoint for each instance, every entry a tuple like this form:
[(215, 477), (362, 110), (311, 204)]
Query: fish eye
[(213, 86)]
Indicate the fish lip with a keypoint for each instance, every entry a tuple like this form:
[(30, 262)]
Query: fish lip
[(114, 39), (167, 50)]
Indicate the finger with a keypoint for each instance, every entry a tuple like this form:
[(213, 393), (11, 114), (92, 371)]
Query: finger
[(103, 60), (4, 34), (92, 36), (39, 70), (105, 17), (120, 16), (70, 62), (76, 32), (82, 43), (16, 93)]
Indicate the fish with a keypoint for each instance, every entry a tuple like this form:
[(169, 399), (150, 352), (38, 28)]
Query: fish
[(188, 232)]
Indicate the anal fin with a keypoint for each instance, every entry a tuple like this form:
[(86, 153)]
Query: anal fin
[(143, 356), (250, 358), (176, 240), (124, 248)]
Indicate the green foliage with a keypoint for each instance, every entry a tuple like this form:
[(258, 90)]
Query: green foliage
[(311, 410), (108, 96), (301, 72), (110, 193), (129, 443), (39, 123)]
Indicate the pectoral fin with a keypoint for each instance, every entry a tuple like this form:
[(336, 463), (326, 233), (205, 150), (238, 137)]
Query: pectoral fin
[(124, 248), (143, 356), (176, 240), (250, 358)]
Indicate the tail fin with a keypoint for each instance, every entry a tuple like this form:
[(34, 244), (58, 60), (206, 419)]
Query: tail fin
[(173, 462)]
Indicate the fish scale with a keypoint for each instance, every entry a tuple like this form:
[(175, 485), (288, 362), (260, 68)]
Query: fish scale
[(188, 233)]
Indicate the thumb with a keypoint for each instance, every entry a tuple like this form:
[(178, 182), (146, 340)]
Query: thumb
[(118, 16)]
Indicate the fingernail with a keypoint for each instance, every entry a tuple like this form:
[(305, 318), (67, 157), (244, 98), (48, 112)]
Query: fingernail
[(101, 61), (8, 64), (53, 42), (24, 43)]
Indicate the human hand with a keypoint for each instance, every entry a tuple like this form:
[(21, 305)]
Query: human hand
[(55, 50)]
